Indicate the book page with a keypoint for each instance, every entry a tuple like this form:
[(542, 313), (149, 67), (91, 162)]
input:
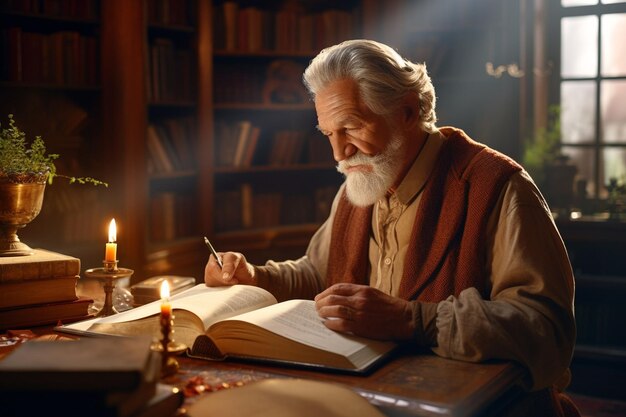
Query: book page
[(210, 304), (298, 320)]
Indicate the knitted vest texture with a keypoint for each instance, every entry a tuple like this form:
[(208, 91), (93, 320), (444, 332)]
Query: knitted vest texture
[(446, 253)]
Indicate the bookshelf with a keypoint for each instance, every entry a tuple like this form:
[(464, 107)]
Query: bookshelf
[(157, 116), (172, 116), (164, 96), (273, 174), (50, 81)]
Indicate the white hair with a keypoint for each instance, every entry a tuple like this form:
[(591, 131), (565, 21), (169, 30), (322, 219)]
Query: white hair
[(382, 75)]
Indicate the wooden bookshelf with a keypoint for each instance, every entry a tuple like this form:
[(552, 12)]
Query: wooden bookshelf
[(155, 111), (268, 202), (50, 81), (155, 102)]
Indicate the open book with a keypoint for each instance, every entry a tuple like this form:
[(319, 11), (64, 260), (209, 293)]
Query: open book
[(245, 322)]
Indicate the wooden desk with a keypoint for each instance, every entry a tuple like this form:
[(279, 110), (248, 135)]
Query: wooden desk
[(410, 385)]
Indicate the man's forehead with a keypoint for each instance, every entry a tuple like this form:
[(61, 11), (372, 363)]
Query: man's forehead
[(338, 104)]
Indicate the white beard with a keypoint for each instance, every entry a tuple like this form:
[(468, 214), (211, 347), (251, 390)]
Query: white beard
[(366, 188)]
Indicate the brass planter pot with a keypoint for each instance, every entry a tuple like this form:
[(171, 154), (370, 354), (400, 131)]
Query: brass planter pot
[(20, 203)]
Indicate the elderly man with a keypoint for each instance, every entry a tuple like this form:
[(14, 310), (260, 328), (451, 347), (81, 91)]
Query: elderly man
[(433, 238)]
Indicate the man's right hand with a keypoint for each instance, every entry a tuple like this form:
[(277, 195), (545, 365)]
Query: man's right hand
[(236, 270)]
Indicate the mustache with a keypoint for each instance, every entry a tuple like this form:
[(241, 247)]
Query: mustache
[(358, 158)]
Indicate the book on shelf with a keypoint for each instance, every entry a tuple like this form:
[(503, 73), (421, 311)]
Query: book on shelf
[(85, 9), (45, 314), (234, 83), (246, 322), (103, 377), (42, 264), (163, 216), (319, 151), (179, 131), (287, 29), (297, 208), (166, 140), (226, 144), (245, 208), (251, 145), (169, 12), (157, 151), (237, 143), (250, 30), (228, 213), (247, 205), (266, 209), (230, 11), (171, 215), (287, 147), (57, 58), (170, 72), (245, 127)]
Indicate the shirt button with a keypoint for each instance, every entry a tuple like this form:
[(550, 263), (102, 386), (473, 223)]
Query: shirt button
[(387, 261)]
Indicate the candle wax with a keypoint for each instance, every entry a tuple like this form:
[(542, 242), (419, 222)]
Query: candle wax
[(110, 254), (166, 310)]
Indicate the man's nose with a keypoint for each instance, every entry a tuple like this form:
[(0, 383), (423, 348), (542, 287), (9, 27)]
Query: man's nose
[(342, 148)]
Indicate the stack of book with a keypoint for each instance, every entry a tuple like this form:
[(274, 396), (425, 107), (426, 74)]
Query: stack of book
[(115, 377), (40, 289)]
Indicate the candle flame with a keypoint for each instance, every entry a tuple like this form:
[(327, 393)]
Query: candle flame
[(112, 231), (165, 290)]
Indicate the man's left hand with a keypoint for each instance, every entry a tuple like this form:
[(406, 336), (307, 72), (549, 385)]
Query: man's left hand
[(365, 311)]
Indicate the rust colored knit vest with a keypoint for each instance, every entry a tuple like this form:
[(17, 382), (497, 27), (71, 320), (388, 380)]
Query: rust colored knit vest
[(446, 253)]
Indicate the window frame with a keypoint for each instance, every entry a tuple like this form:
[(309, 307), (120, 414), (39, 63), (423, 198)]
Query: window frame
[(557, 12)]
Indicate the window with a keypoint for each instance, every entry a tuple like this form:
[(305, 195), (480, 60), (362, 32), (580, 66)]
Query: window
[(592, 89)]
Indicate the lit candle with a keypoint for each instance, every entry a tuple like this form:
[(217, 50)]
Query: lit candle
[(110, 255), (166, 307)]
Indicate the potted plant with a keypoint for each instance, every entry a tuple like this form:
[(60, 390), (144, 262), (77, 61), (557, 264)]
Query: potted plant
[(616, 201), (24, 171), (549, 167)]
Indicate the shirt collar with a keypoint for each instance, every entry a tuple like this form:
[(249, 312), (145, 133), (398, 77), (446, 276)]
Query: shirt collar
[(415, 179)]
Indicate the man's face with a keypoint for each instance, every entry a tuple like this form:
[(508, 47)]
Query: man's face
[(368, 150)]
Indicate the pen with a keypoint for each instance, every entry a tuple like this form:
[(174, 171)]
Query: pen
[(219, 260)]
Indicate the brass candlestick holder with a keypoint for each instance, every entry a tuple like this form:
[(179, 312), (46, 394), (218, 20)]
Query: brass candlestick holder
[(169, 364), (108, 275)]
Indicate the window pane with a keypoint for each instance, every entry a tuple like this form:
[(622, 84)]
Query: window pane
[(613, 110), (578, 111), (614, 44), (584, 159), (613, 165), (579, 46), (570, 3)]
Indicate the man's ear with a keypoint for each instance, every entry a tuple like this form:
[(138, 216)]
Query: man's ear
[(411, 109)]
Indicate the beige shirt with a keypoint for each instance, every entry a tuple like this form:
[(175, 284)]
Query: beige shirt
[(529, 316)]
